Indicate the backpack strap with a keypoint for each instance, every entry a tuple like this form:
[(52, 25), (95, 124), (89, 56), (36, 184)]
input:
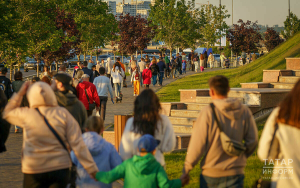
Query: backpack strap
[(215, 116)]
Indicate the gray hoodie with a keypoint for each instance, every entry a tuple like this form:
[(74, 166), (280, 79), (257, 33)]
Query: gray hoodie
[(237, 122), (73, 105)]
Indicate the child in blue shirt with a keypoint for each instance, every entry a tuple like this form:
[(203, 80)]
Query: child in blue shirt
[(183, 67), (104, 153)]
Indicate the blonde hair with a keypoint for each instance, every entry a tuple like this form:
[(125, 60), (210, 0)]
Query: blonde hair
[(94, 123)]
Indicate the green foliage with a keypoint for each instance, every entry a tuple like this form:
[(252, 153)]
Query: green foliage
[(213, 23), (176, 23), (291, 26), (252, 72)]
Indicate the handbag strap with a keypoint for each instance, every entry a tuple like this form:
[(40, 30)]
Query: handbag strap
[(215, 116), (53, 131), (87, 96)]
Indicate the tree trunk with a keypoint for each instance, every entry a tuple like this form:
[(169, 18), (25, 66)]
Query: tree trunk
[(171, 54), (37, 67), (78, 57), (10, 71), (84, 56), (91, 56)]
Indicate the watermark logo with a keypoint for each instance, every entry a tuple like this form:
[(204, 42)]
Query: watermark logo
[(280, 168)]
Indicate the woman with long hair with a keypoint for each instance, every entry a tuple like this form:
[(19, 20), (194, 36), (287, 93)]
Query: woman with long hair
[(16, 85), (45, 72), (147, 120), (280, 141), (154, 70), (117, 75), (202, 59)]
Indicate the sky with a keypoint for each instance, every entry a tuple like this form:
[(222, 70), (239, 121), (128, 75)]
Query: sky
[(266, 12)]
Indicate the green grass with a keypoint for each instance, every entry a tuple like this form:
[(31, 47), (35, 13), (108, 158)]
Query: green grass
[(252, 72), (175, 163)]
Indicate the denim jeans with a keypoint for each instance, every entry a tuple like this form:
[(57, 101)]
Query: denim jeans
[(117, 89), (236, 181), (161, 76), (103, 101), (154, 78)]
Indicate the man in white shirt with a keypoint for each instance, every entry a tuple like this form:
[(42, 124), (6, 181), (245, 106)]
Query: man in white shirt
[(142, 66), (103, 86)]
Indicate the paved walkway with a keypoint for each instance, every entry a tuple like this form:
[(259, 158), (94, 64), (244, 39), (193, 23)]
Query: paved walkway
[(10, 161)]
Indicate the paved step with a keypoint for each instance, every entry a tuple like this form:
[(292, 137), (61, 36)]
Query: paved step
[(203, 99), (196, 106), (289, 79), (280, 85), (186, 129), (296, 72), (182, 140), (185, 113), (182, 120)]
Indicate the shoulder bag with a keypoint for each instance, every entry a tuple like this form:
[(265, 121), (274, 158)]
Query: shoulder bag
[(260, 183), (92, 106), (230, 146), (73, 169)]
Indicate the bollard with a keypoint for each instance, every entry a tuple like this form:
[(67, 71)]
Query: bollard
[(119, 126)]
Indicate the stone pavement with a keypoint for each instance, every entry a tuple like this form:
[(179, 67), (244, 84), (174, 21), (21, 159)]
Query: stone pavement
[(10, 161)]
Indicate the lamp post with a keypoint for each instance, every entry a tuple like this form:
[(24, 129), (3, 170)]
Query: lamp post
[(289, 9), (220, 26), (231, 26)]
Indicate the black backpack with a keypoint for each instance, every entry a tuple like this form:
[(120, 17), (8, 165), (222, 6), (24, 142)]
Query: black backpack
[(153, 69)]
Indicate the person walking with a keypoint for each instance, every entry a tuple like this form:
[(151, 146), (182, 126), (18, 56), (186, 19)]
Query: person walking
[(108, 67), (88, 71), (205, 59), (147, 75), (147, 120), (196, 63), (104, 153), (167, 70), (220, 126), (222, 58), (77, 68), (49, 129), (202, 62), (16, 86), (90, 64), (4, 125), (45, 72), (173, 68), (66, 97), (155, 71), (87, 94), (5, 83), (179, 64), (123, 84), (211, 59), (95, 71), (117, 75), (103, 86), (141, 66), (135, 80), (192, 60), (183, 67), (279, 143), (243, 56), (161, 67)]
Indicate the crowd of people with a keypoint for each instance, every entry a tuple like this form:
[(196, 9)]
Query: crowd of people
[(60, 132)]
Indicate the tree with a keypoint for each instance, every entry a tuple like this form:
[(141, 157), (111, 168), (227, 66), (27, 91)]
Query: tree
[(135, 33), (69, 40), (272, 39), (176, 23), (213, 23), (291, 26), (96, 25), (244, 37)]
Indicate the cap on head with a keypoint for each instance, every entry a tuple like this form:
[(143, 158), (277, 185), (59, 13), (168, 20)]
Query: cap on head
[(147, 143), (65, 79)]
